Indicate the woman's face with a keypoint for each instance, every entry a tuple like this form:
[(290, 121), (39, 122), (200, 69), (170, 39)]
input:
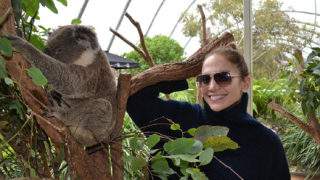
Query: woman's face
[(220, 98)]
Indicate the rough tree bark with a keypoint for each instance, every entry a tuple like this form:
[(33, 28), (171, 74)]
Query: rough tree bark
[(83, 165)]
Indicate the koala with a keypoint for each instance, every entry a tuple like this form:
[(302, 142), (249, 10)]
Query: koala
[(78, 71)]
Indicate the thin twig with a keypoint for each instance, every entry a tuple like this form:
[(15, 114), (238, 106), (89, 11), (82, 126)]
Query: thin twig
[(143, 44), (228, 167)]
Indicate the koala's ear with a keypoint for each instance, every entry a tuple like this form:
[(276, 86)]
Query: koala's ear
[(86, 37)]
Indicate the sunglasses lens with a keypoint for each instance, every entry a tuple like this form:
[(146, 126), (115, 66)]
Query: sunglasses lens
[(203, 80), (223, 78)]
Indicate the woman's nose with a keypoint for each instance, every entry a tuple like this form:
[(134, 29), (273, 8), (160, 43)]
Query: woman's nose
[(213, 85)]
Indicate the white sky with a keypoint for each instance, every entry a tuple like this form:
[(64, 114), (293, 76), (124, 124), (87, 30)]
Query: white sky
[(103, 14)]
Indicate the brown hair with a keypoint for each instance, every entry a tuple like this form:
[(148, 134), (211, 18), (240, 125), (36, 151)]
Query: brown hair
[(233, 55)]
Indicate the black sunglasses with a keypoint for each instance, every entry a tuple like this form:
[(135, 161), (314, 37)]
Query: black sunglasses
[(222, 79)]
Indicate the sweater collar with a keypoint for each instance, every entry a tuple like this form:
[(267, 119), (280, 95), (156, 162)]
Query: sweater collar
[(236, 113)]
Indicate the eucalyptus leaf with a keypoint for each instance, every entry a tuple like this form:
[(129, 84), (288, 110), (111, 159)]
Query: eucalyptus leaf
[(192, 131), (153, 140), (185, 157), (175, 127), (206, 156), (161, 166), (30, 7), (33, 173), (50, 5), (134, 143), (64, 2), (206, 131), (3, 123), (8, 81), (196, 148), (76, 21), (60, 157), (3, 71), (37, 76), (17, 106), (5, 47), (138, 163), (4, 16), (37, 42), (179, 146), (220, 143)]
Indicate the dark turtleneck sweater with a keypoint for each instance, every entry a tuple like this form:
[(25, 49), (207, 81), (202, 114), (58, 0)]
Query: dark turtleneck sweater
[(261, 155)]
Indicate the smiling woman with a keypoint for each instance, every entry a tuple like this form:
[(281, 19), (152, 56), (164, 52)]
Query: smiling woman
[(223, 83)]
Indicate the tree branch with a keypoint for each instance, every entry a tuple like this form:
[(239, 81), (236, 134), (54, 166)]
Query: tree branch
[(203, 17), (143, 44), (312, 131), (175, 71)]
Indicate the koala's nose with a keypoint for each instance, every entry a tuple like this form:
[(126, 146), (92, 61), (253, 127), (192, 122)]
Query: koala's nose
[(46, 51)]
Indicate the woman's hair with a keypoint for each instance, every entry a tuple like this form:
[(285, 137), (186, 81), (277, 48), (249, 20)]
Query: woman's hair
[(233, 54)]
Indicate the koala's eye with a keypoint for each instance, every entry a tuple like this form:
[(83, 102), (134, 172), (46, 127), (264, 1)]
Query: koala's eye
[(58, 51)]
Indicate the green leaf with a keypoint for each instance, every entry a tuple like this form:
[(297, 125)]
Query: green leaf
[(206, 156), (153, 140), (204, 132), (3, 65), (60, 157), (8, 81), (316, 72), (50, 5), (192, 131), (5, 15), (318, 110), (33, 154), (311, 55), (30, 7), (138, 163), (76, 21), (196, 148), (161, 166), (5, 47), (220, 143), (17, 106), (128, 158), (293, 82), (185, 157), (37, 76), (33, 173), (297, 57), (134, 142), (63, 2), (3, 123), (178, 146), (163, 177), (183, 170), (43, 3), (310, 96), (175, 127), (37, 42)]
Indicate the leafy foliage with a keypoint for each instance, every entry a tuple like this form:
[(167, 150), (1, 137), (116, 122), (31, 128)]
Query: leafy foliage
[(162, 49), (26, 151), (186, 153), (275, 33), (302, 97)]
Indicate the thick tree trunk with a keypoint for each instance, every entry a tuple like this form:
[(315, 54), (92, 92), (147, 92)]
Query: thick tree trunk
[(83, 166)]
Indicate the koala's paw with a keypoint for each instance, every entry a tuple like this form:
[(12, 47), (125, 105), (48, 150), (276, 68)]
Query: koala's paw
[(16, 42), (55, 111)]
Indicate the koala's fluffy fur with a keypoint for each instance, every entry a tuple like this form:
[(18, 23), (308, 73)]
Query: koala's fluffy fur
[(78, 69)]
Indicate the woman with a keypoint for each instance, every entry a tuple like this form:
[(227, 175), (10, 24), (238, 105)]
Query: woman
[(223, 83)]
